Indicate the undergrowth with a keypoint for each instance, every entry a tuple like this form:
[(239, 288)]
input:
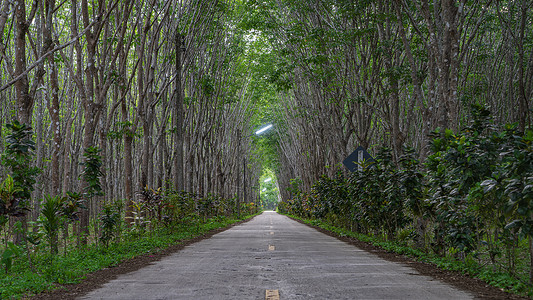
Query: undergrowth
[(52, 271)]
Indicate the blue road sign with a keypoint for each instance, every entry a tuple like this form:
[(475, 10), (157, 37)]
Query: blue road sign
[(358, 156)]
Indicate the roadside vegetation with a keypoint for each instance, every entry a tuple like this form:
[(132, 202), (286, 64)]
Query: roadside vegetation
[(51, 256), (468, 207), (37, 256)]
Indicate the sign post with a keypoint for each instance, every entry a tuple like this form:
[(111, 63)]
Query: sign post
[(354, 161), (360, 156)]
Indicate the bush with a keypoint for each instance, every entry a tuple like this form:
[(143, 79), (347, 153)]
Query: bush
[(472, 195)]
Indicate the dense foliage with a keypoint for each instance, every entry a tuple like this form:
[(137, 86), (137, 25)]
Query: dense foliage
[(161, 219), (18, 158), (471, 197), (39, 272)]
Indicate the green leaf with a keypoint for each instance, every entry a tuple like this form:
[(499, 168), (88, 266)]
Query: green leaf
[(488, 185)]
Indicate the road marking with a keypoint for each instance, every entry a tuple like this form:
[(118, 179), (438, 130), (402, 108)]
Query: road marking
[(272, 295), (271, 247), (272, 232)]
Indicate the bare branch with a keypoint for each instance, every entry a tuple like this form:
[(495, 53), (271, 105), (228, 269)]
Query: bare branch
[(40, 60)]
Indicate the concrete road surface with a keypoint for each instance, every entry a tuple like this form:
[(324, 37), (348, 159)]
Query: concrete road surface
[(274, 257)]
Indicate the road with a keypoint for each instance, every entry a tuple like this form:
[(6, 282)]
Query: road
[(274, 257)]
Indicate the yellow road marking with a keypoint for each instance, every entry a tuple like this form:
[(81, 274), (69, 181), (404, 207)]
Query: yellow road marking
[(271, 248), (272, 295)]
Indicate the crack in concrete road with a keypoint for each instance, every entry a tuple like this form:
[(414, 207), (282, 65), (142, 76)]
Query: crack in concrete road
[(273, 253)]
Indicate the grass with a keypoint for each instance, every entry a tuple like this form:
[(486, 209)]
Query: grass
[(470, 265), (21, 281)]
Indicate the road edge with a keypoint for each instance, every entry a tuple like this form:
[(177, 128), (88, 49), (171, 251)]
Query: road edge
[(474, 286), (98, 278)]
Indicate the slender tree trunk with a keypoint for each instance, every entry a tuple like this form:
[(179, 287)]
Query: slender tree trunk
[(141, 106), (53, 107), (67, 157), (178, 119), (24, 100), (128, 171), (418, 95), (91, 114), (523, 102)]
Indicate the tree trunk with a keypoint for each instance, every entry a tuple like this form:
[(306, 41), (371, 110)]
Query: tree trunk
[(128, 171), (91, 113), (178, 119), (523, 101), (24, 100), (418, 96)]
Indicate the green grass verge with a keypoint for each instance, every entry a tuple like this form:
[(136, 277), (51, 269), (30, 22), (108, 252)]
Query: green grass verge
[(469, 266), (21, 281)]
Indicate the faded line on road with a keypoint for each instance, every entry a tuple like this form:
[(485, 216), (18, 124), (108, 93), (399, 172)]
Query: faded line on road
[(272, 295)]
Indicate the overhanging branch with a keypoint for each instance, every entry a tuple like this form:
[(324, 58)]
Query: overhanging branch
[(40, 60)]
